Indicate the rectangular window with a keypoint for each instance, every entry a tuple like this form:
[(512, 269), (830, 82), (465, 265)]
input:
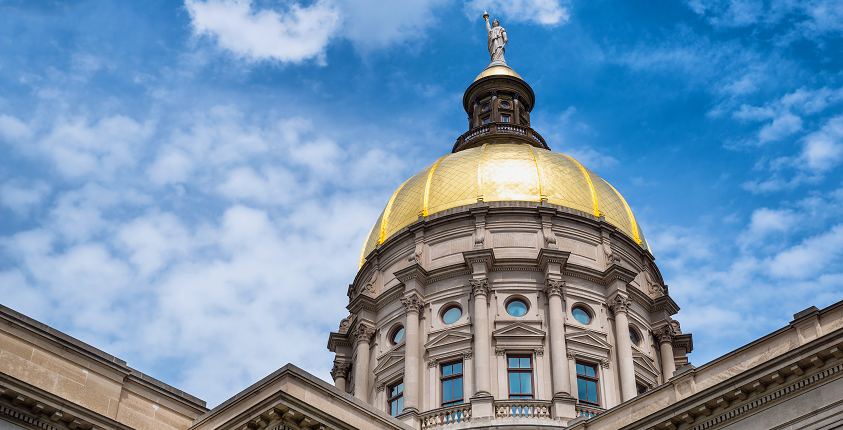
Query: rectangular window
[(485, 120), (504, 118), (396, 398), (641, 388), (587, 384), (452, 384), (520, 369)]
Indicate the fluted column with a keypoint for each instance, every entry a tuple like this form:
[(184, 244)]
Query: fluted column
[(413, 304), (494, 103), (361, 365), (620, 305), (560, 376), (340, 373), (665, 336), (482, 370)]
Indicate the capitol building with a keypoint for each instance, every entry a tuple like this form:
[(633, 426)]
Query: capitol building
[(504, 286)]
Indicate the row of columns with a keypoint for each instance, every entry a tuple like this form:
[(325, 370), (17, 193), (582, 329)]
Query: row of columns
[(474, 120), (560, 379)]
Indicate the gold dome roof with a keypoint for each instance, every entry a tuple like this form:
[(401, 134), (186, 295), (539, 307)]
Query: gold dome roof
[(497, 70), (502, 172)]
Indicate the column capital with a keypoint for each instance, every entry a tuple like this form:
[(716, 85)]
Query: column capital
[(539, 351), (620, 304), (340, 370), (363, 333), (480, 286), (516, 96), (665, 334), (494, 93), (412, 303), (432, 363), (554, 287)]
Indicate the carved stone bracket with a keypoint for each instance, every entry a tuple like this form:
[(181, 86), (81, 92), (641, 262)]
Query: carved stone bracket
[(412, 303), (620, 303), (604, 363), (432, 363), (345, 324), (467, 355), (539, 351), (480, 286), (340, 370), (554, 288), (380, 387), (500, 351)]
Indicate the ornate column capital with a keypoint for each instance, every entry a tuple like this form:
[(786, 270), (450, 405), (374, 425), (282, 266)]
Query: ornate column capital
[(432, 363), (539, 351), (500, 351), (620, 304), (340, 370), (380, 387), (363, 333), (412, 303), (516, 96), (467, 355), (554, 288), (665, 334), (494, 93), (480, 286)]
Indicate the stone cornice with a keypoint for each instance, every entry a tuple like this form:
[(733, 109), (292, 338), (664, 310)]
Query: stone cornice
[(485, 256), (338, 340), (362, 302), (666, 304), (548, 256), (619, 273), (684, 341), (411, 272)]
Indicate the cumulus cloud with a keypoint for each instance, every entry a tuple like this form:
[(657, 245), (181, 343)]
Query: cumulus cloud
[(823, 149), (21, 197), (811, 18), (292, 36), (545, 12)]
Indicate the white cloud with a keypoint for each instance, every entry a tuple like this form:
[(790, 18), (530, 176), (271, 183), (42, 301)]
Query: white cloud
[(810, 19), (12, 128), (21, 197), (823, 149), (546, 12), (297, 34)]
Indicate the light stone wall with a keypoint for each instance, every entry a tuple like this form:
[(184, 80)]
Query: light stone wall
[(91, 382)]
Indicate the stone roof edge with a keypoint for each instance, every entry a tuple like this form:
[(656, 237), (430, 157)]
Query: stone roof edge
[(99, 355), (291, 369)]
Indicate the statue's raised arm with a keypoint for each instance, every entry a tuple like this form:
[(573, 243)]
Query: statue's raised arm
[(497, 39)]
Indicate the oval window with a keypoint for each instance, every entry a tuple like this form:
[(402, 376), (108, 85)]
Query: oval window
[(516, 308), (581, 315), (633, 336), (451, 315), (485, 108), (505, 105), (397, 335)]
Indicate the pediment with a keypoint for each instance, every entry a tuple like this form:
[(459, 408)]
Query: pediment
[(390, 359), (644, 363), (518, 331), (448, 339), (588, 339)]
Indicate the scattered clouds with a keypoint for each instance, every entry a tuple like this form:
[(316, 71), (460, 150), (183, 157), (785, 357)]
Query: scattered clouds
[(545, 12), (21, 197), (297, 34), (809, 19)]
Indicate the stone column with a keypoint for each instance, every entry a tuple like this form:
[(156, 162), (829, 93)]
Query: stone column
[(494, 103), (665, 336), (475, 114), (340, 373), (560, 375), (413, 304), (482, 369), (516, 101), (361, 365), (620, 305)]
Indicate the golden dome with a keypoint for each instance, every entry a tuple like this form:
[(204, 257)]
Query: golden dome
[(502, 172), (497, 70)]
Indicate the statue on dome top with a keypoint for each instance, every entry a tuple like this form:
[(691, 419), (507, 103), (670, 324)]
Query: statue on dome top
[(497, 39)]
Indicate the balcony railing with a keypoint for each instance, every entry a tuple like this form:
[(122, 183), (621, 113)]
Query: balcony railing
[(588, 411), (523, 409), (519, 132), (445, 416)]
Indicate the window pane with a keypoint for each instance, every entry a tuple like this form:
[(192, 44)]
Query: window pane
[(457, 368), (400, 387), (400, 403), (398, 335), (526, 384), (452, 315), (633, 337), (580, 369), (393, 409), (581, 391), (393, 391), (589, 371), (457, 390), (514, 385), (516, 308), (525, 363), (446, 391), (446, 370), (513, 362), (591, 386), (581, 316)]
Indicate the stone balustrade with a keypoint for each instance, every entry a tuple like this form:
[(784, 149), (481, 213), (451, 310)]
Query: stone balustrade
[(588, 411), (445, 416), (524, 408), (499, 131)]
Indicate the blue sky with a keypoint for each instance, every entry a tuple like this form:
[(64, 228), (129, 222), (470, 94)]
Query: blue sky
[(187, 185)]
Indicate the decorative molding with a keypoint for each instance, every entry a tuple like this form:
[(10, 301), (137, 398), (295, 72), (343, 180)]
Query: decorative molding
[(554, 287), (380, 387), (412, 303), (345, 324), (619, 303), (539, 351), (480, 286), (363, 333), (500, 351), (432, 363), (340, 370), (467, 355), (665, 334), (604, 363), (493, 93)]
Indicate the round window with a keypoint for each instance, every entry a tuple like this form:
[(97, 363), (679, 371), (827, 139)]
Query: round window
[(516, 308), (397, 335), (451, 315), (485, 108), (581, 315), (505, 105), (633, 336)]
